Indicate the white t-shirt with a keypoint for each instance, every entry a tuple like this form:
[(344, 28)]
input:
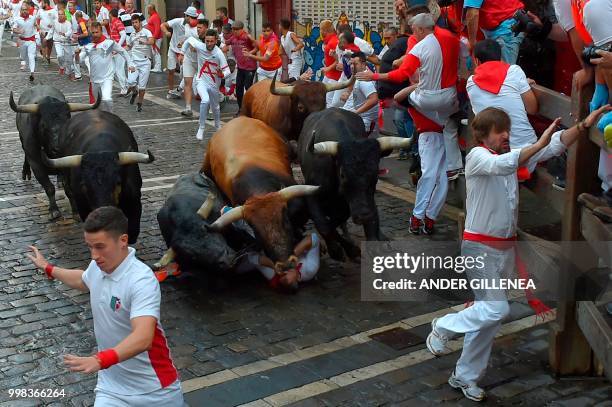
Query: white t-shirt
[(129, 292), (597, 19), (58, 29), (101, 59), (509, 100), (178, 33), (209, 63), (429, 52), (140, 51), (27, 25), (15, 8), (102, 15), (563, 11), (359, 95), (288, 44), (47, 19)]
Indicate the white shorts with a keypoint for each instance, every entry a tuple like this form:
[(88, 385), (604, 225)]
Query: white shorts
[(265, 74), (189, 67), (141, 75), (172, 62), (295, 68), (171, 396)]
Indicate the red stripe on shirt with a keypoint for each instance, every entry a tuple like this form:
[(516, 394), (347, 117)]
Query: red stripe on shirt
[(159, 355)]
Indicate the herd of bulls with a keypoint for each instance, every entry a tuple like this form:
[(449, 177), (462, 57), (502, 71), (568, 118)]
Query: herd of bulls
[(247, 166)]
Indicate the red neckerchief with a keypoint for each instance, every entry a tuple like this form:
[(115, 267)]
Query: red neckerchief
[(491, 75), (108, 7), (226, 20), (193, 22), (352, 48), (102, 38), (47, 8), (16, 1)]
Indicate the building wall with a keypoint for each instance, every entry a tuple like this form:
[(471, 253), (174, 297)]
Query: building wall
[(367, 19)]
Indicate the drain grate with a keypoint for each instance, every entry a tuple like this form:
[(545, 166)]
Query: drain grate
[(398, 338)]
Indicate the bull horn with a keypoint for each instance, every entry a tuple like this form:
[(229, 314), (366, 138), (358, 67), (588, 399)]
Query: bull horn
[(207, 206), (296, 191), (30, 108), (326, 148), (129, 157), (390, 143), (80, 107), (330, 87), (69, 161), (227, 218), (282, 91)]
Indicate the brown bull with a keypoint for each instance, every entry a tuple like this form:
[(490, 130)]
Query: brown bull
[(249, 162), (284, 107)]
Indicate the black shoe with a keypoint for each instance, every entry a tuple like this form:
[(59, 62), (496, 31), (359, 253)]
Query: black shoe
[(31, 78), (133, 98), (139, 109)]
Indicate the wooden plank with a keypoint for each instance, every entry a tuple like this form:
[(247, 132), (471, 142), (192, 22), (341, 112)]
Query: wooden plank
[(569, 351), (596, 231), (553, 104), (544, 189), (597, 332)]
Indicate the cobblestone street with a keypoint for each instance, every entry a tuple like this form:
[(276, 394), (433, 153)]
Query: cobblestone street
[(242, 343)]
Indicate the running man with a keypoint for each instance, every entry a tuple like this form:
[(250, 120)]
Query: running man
[(140, 44)]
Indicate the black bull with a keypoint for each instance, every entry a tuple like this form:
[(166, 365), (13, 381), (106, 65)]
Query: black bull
[(42, 115), (335, 153), (100, 157), (193, 203)]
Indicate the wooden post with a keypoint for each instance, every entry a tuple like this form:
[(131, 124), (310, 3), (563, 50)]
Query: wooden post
[(569, 351)]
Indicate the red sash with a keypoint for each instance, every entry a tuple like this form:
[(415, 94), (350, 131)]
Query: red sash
[(32, 38), (504, 243)]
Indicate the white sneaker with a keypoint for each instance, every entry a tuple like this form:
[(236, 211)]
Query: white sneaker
[(470, 391), (200, 134), (187, 113), (436, 342)]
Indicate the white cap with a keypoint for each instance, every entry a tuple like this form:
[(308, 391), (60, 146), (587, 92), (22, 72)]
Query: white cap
[(191, 12)]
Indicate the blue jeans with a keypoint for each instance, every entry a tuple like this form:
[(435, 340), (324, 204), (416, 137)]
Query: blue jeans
[(509, 43)]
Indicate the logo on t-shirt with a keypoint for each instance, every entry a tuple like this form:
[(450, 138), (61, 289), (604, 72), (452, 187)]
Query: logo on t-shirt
[(115, 303)]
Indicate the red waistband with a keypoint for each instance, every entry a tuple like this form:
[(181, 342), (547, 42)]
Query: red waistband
[(32, 38), (499, 243)]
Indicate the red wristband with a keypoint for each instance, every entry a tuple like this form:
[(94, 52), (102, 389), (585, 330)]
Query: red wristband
[(49, 271), (107, 358), (376, 76)]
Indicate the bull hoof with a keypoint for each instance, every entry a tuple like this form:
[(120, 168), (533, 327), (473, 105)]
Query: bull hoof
[(26, 176), (54, 214)]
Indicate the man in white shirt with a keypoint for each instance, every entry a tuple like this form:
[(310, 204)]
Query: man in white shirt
[(292, 47), (102, 16), (46, 16), (498, 84), (363, 97), (100, 54), (189, 58), (212, 67), (61, 32), (133, 362), (140, 45), (175, 30), (25, 27), (490, 233), (348, 43), (4, 17)]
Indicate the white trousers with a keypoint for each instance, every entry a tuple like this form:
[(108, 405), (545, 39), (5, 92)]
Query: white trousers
[(27, 52), (451, 145), (438, 106), (65, 56), (605, 170), (433, 184), (2, 25), (294, 69), (480, 322), (209, 97), (157, 65), (140, 77), (106, 88), (337, 101), (119, 63), (264, 74), (329, 96)]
